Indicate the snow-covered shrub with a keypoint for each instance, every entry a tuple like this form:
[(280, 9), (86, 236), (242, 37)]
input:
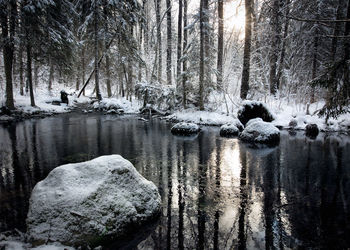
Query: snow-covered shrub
[(160, 96), (253, 109)]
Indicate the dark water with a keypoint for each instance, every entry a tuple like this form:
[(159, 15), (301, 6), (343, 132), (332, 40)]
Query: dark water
[(217, 193)]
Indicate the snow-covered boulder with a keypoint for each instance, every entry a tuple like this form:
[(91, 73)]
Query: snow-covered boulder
[(91, 202), (238, 124), (253, 109), (311, 130), (260, 132), (229, 130), (251, 121), (185, 128)]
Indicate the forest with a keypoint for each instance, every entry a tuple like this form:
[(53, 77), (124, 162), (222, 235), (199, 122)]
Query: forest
[(190, 51), (174, 124)]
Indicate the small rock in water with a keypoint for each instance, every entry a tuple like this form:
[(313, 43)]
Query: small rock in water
[(112, 111), (229, 130), (311, 130), (5, 111), (6, 118), (120, 111), (185, 128)]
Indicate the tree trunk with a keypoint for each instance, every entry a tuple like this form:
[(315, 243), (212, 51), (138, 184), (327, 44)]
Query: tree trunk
[(146, 36), (139, 77), (83, 66), (108, 72), (122, 91), (77, 80), (50, 74), (247, 47), (283, 49), (169, 45), (8, 59), (159, 40), (314, 65), (203, 21), (36, 69), (14, 65), (274, 46), (336, 32), (347, 56), (315, 53), (29, 72), (145, 29), (8, 46), (184, 62), (179, 45), (220, 44), (207, 76), (97, 66), (21, 80), (130, 71)]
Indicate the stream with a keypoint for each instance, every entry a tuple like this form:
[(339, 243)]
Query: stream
[(217, 193)]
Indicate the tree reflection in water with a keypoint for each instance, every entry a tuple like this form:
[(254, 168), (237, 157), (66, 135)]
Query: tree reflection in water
[(217, 193)]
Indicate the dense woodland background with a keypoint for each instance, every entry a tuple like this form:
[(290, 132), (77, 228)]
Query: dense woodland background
[(188, 50)]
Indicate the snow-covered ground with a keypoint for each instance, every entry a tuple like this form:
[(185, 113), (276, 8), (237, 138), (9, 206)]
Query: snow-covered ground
[(283, 113), (202, 117), (19, 245), (222, 110), (44, 98), (119, 103)]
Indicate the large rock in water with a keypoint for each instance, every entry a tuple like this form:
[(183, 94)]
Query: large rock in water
[(91, 203), (254, 109), (260, 132)]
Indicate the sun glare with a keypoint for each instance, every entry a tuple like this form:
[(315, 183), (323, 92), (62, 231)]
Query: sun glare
[(234, 15)]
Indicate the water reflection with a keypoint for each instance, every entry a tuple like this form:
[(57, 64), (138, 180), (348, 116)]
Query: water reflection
[(217, 193)]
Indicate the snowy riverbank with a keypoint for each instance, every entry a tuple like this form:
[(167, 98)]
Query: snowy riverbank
[(283, 115), (284, 112)]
